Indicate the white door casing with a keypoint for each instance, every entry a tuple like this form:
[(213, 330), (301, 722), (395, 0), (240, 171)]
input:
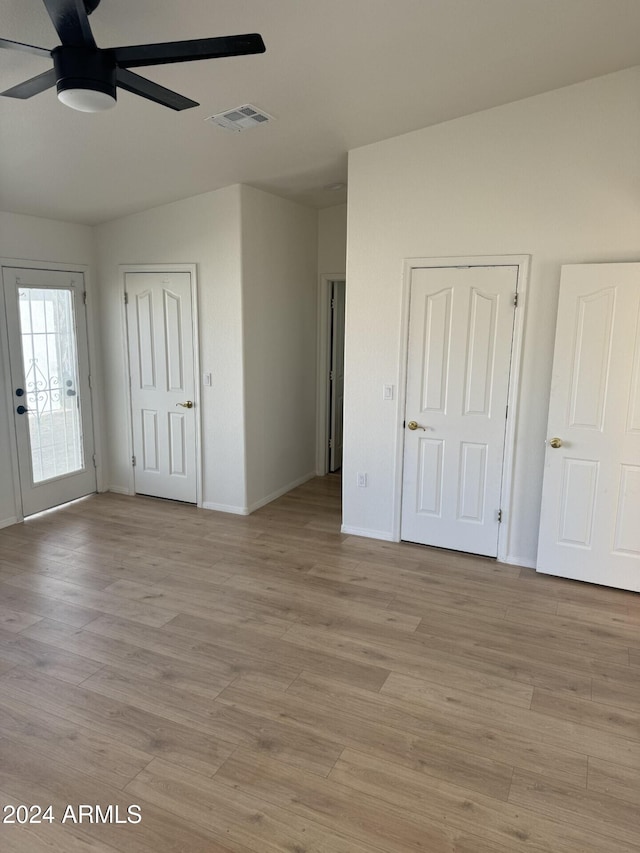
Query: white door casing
[(461, 323), (50, 379), (162, 372), (337, 375), (590, 513)]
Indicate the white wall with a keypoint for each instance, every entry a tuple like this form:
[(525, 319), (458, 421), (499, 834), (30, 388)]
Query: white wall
[(33, 238), (279, 276), (556, 176), (204, 230), (30, 238), (332, 240)]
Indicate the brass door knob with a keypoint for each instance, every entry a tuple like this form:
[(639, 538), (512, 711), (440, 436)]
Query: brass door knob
[(187, 405), (415, 425), (555, 442)]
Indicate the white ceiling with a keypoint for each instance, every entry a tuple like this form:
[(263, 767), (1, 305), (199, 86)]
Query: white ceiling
[(337, 74)]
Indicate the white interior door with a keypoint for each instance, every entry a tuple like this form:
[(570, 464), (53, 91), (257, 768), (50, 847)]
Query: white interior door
[(459, 354), (161, 359), (337, 375), (590, 516), (49, 364)]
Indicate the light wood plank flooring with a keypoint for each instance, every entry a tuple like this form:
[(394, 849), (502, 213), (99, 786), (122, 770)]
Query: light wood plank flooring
[(268, 684)]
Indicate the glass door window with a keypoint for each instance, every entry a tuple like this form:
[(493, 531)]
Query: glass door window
[(50, 358)]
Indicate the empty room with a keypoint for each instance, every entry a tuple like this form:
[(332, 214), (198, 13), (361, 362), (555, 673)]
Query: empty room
[(320, 426)]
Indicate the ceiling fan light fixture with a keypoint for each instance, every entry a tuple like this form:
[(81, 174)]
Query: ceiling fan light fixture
[(87, 100), (86, 76)]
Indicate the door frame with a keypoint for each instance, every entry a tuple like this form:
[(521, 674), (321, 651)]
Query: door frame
[(323, 366), (95, 390), (160, 268), (523, 263)]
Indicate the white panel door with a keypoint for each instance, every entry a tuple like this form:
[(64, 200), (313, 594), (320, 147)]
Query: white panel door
[(49, 362), (459, 355), (337, 375), (590, 516), (160, 329)]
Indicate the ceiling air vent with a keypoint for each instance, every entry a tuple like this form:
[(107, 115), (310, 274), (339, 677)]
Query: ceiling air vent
[(240, 118)]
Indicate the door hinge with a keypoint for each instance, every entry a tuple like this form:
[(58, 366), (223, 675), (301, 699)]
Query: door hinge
[(333, 304), (133, 461), (89, 379), (126, 298), (515, 299), (84, 296), (95, 464), (330, 444), (506, 411), (332, 375), (499, 516)]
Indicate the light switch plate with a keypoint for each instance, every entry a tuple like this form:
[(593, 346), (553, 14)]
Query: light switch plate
[(387, 392)]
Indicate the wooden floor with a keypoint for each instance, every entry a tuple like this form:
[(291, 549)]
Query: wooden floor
[(267, 684)]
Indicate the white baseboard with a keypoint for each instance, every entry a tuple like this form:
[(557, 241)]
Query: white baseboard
[(7, 522), (247, 510), (234, 510), (525, 562), (118, 490), (280, 492), (369, 534)]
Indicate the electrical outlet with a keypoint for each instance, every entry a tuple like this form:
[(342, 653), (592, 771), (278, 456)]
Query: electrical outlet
[(362, 481)]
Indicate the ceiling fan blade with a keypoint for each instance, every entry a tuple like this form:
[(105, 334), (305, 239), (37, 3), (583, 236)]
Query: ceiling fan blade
[(27, 48), (33, 86), (69, 17), (153, 91), (186, 51)]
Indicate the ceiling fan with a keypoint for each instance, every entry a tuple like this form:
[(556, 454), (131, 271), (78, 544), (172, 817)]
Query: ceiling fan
[(86, 76)]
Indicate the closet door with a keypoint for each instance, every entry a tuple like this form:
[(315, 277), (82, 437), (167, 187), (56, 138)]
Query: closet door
[(458, 367), (590, 518)]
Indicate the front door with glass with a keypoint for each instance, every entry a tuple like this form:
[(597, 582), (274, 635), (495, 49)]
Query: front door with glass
[(48, 355)]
